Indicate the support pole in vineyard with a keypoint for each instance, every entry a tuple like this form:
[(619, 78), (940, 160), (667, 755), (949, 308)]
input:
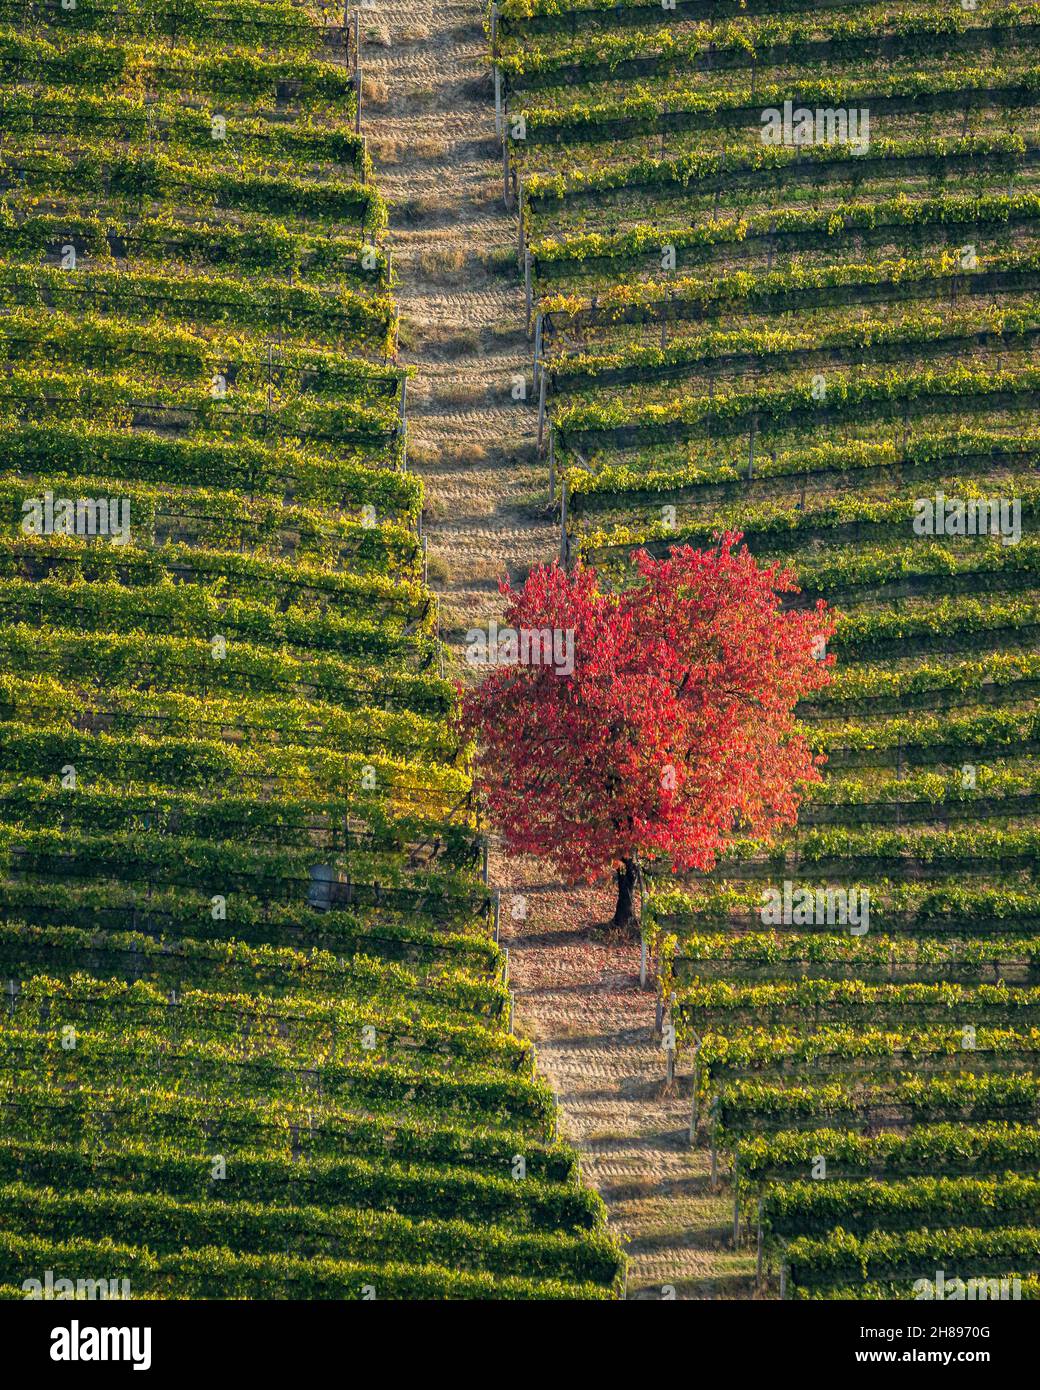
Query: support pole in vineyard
[(552, 462), (505, 170), (527, 289), (520, 243), (537, 345), (694, 1116), (498, 913), (751, 448), (563, 522), (759, 1248), (357, 68), (498, 100), (541, 405)]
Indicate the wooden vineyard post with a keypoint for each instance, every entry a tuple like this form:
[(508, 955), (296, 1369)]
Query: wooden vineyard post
[(537, 346), (498, 100), (759, 1248), (485, 866), (563, 522), (505, 170), (498, 913), (642, 963), (736, 1220), (552, 463), (714, 1152), (357, 70), (402, 423), (527, 288), (694, 1116), (541, 405), (751, 448)]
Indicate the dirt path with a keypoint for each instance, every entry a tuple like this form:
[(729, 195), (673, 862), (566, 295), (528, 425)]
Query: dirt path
[(578, 996), (429, 117), (430, 121)]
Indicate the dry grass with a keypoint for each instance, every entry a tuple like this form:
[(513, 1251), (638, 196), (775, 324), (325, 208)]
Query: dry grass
[(438, 339), (466, 451), (384, 150), (390, 151), (422, 455), (461, 393), (423, 98), (434, 509), (373, 92), (438, 571), (429, 205), (439, 259)]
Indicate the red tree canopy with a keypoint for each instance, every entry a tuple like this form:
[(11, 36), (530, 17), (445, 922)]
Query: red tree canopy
[(673, 732)]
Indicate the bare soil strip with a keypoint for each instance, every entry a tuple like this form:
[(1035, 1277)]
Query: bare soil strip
[(429, 117), (578, 996), (430, 121)]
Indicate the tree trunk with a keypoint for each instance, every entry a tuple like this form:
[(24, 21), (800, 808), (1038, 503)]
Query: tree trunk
[(625, 914)]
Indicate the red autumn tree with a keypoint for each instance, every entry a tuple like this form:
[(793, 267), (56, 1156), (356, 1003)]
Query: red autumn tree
[(674, 731)]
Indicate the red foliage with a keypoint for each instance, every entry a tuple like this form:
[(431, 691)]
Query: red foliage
[(674, 733)]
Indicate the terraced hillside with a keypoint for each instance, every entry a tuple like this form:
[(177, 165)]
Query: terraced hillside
[(255, 1031), (783, 266)]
